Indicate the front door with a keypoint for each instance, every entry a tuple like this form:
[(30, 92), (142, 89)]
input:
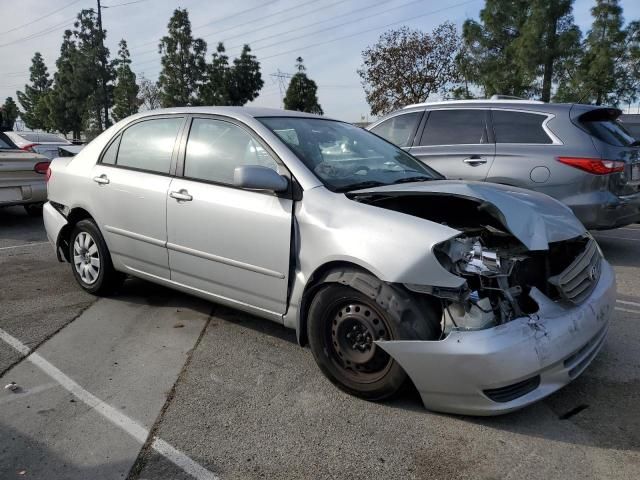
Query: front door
[(456, 143), (130, 184), (225, 241)]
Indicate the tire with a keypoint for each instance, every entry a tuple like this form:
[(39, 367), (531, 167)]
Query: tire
[(90, 260), (343, 323), (34, 209)]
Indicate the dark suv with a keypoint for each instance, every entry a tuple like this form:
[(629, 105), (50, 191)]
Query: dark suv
[(579, 154)]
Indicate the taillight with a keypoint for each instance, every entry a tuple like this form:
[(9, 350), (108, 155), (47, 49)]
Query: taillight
[(41, 167), (29, 147), (594, 165)]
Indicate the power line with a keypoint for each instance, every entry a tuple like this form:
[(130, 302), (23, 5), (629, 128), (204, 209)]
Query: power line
[(40, 18), (123, 4), (368, 30), (40, 33)]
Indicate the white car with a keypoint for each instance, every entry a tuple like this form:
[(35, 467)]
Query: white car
[(487, 297), (38, 142)]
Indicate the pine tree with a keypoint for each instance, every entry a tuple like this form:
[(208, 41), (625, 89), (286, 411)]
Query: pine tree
[(215, 88), (34, 94), (183, 63), (66, 102), (549, 39), (125, 93), (493, 50), (245, 81), (301, 94), (9, 115), (600, 74)]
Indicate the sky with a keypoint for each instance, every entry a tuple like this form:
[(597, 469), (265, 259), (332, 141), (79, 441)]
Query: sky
[(330, 35)]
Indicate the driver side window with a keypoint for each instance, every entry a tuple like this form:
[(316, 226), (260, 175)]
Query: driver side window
[(215, 148)]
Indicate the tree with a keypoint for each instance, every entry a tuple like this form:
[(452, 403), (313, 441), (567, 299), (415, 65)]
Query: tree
[(407, 66), (9, 115), (95, 72), (301, 93), (125, 93), (148, 94), (183, 63), (549, 38), (33, 96), (66, 102), (245, 80), (600, 75), (215, 88)]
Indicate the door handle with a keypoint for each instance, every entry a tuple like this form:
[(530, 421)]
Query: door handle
[(475, 160), (102, 179), (181, 196)]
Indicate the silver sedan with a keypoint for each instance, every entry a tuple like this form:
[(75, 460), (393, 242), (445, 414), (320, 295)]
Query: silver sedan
[(487, 297)]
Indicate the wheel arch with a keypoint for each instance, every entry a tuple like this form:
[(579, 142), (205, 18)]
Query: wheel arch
[(329, 272), (75, 215)]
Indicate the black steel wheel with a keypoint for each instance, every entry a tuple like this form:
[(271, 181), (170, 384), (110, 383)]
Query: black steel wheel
[(342, 328)]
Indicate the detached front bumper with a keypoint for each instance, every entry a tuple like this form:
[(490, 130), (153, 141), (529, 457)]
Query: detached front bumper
[(517, 363)]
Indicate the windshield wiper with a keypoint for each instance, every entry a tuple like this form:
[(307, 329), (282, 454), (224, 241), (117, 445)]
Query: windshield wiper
[(422, 178), (360, 185)]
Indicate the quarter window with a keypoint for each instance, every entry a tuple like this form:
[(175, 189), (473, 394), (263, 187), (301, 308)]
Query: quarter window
[(148, 145), (400, 129), (455, 127), (215, 148), (519, 127), (110, 154)]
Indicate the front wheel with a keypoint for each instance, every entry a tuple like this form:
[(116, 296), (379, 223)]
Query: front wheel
[(342, 328), (90, 260)]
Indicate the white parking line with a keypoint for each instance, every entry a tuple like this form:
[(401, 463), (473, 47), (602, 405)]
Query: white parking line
[(627, 302), (130, 426), (32, 391), (620, 309), (23, 245)]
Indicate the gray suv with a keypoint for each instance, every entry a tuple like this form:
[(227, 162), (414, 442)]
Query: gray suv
[(579, 154)]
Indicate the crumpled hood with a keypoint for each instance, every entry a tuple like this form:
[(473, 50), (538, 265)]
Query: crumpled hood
[(533, 218)]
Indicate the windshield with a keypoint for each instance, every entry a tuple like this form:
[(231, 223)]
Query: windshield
[(345, 157)]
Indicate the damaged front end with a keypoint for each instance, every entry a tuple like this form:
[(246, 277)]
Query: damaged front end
[(501, 273), (531, 313)]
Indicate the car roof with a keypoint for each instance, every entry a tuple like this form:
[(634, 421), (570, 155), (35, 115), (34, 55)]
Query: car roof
[(234, 112)]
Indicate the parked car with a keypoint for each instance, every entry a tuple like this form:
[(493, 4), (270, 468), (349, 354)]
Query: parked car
[(631, 122), (43, 143), (488, 297), (22, 177), (69, 150), (578, 154)]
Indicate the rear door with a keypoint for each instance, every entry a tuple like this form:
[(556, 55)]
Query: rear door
[(456, 142), (129, 197), (226, 241)]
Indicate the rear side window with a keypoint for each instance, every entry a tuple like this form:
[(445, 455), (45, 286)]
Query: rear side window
[(5, 143), (148, 145), (110, 154), (215, 148), (610, 131), (519, 127), (455, 127), (400, 129)]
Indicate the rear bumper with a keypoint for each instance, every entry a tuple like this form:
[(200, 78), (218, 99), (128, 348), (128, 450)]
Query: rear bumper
[(605, 210), (517, 363), (54, 222), (32, 192)]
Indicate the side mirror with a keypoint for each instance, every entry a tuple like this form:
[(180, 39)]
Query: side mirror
[(256, 177)]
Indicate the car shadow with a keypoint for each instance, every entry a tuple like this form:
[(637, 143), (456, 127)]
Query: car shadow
[(15, 224)]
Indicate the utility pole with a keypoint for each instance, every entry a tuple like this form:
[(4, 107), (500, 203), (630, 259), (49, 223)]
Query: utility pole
[(103, 62), (281, 78)]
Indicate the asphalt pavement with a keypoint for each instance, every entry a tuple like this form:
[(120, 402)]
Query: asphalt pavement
[(154, 384)]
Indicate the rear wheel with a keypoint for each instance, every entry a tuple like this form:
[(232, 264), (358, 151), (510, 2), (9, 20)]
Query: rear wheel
[(90, 260), (343, 326)]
